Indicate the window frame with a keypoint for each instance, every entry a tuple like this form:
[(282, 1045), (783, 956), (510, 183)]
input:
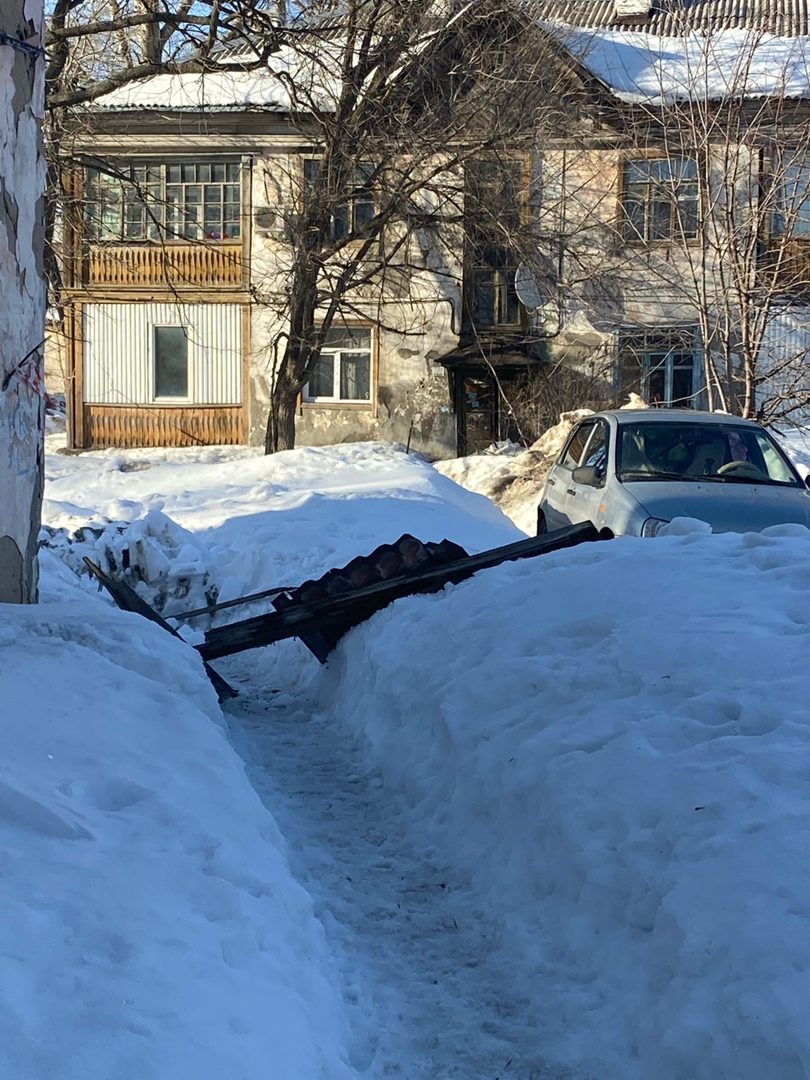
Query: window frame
[(675, 232), (336, 401), (170, 398), (310, 167), (486, 255), (667, 343), (784, 221), (137, 198)]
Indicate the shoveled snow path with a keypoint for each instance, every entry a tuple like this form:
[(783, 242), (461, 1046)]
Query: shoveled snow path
[(427, 995)]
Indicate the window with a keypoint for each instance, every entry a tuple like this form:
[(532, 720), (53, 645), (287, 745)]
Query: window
[(492, 297), (660, 199), (170, 362), (596, 450), (575, 447), (349, 218), (343, 370), (495, 206), (792, 213), (649, 450), (664, 368), (170, 200)]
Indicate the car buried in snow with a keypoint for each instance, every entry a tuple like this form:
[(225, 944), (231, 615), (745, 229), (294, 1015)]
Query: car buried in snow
[(631, 471)]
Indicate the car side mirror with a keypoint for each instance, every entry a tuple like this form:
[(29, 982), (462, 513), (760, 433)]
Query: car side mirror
[(588, 475), (807, 481)]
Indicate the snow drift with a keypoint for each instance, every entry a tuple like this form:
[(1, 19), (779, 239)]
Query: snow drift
[(151, 927), (614, 740)]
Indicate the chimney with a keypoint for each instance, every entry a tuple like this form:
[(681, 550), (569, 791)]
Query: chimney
[(631, 10)]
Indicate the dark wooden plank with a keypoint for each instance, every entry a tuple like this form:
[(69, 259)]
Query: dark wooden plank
[(128, 600), (212, 609), (341, 613)]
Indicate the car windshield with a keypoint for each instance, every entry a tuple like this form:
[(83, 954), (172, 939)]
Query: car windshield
[(720, 453)]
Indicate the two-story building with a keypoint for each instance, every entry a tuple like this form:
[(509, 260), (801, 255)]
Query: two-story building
[(626, 254)]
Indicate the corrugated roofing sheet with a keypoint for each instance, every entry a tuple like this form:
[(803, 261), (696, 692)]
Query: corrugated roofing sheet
[(669, 18)]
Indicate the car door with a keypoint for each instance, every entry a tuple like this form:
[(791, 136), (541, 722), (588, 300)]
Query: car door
[(559, 482), (584, 501)]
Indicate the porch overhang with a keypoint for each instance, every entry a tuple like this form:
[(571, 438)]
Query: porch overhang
[(499, 355)]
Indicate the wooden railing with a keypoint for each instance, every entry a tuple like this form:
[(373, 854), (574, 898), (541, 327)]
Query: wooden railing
[(218, 265)]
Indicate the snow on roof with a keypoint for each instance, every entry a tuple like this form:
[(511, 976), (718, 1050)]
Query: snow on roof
[(645, 68), (672, 17), (200, 91), (267, 88)]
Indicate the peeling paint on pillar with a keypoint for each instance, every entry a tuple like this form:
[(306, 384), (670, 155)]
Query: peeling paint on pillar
[(22, 297)]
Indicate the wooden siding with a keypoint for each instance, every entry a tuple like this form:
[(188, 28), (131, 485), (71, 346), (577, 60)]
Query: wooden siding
[(172, 265), (149, 425)]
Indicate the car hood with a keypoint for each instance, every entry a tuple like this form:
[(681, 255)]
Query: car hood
[(727, 507)]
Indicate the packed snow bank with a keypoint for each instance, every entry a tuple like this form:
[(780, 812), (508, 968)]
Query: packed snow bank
[(614, 741), (189, 526), (151, 927), (513, 477)]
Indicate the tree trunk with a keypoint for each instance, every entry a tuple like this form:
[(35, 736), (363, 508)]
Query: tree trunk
[(22, 313), (280, 434)]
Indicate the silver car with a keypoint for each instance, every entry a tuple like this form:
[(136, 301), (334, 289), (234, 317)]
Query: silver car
[(633, 470)]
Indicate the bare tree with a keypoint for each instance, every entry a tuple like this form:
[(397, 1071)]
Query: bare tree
[(714, 195), (393, 102), (398, 106), (22, 313)]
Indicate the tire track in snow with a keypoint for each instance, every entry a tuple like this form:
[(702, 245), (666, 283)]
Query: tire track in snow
[(428, 996)]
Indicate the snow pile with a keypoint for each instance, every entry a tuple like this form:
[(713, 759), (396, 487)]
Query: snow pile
[(245, 522), (627, 788), (512, 477), (605, 749), (150, 927), (645, 68), (165, 564)]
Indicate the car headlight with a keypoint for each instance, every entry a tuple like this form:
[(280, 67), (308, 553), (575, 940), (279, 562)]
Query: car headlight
[(653, 526)]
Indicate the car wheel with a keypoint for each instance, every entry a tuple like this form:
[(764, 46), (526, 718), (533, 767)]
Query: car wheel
[(542, 524)]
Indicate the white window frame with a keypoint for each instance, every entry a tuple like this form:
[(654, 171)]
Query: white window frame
[(164, 399), (336, 354), (665, 357)]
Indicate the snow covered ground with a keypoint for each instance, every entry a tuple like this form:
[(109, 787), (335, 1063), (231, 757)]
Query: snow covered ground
[(551, 822)]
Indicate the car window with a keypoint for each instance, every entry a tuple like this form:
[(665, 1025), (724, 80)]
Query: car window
[(701, 452), (596, 450), (773, 460), (575, 447)]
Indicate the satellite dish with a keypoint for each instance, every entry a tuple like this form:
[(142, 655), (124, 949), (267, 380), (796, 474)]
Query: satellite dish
[(530, 292)]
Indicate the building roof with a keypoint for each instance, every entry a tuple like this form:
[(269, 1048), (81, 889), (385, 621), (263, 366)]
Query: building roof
[(287, 82), (756, 48), (645, 69), (670, 18)]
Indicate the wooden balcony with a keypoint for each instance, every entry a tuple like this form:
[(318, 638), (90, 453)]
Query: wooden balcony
[(172, 265)]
